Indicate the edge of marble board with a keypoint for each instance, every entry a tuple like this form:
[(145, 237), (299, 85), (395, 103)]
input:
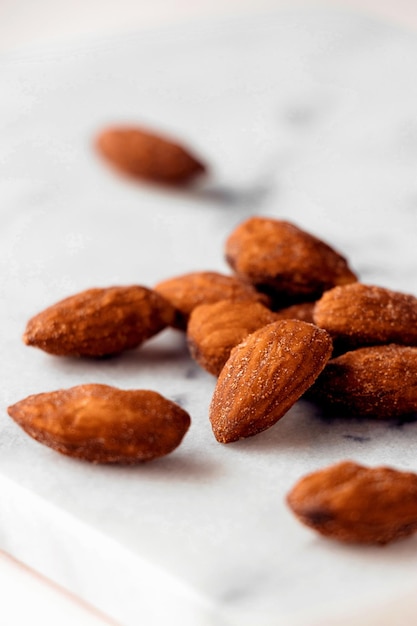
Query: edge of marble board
[(126, 588), (92, 565)]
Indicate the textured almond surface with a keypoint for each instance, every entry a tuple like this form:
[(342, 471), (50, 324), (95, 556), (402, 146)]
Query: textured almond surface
[(301, 311), (214, 329), (146, 155), (377, 381), (99, 322), (360, 314), (284, 260), (265, 375), (353, 503), (187, 291), (103, 424)]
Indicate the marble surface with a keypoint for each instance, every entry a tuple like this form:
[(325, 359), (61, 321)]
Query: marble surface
[(303, 115)]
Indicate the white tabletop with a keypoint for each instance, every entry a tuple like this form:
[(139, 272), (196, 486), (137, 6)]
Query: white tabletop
[(25, 22)]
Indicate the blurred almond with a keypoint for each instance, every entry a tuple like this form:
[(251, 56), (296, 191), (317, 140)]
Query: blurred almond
[(149, 156), (357, 504)]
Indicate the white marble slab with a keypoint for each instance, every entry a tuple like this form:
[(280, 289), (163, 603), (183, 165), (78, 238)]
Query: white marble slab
[(304, 115)]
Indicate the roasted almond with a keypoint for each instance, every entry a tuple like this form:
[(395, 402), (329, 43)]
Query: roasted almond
[(103, 424), (99, 322), (285, 261), (187, 291), (149, 156), (302, 311), (376, 381), (265, 375), (214, 329), (353, 503), (360, 314)]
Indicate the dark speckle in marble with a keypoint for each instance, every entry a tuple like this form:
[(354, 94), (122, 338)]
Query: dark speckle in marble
[(357, 438)]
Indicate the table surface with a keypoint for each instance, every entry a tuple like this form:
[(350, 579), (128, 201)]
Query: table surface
[(25, 22)]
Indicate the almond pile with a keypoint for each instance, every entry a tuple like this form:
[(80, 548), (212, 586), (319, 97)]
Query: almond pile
[(291, 319)]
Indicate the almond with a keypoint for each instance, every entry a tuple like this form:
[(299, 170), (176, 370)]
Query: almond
[(301, 311), (103, 424), (285, 261), (144, 154), (214, 329), (353, 503), (360, 314), (99, 322), (376, 381), (265, 375), (187, 291)]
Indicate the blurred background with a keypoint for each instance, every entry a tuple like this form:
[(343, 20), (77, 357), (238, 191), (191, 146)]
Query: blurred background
[(28, 21)]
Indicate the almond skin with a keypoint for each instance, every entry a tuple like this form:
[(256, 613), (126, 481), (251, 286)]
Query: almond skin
[(285, 261), (149, 156), (357, 504), (265, 375), (187, 291), (214, 329), (376, 381), (99, 322), (360, 314), (103, 424), (301, 311)]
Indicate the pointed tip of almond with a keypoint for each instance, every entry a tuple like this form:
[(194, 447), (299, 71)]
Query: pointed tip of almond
[(27, 339)]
